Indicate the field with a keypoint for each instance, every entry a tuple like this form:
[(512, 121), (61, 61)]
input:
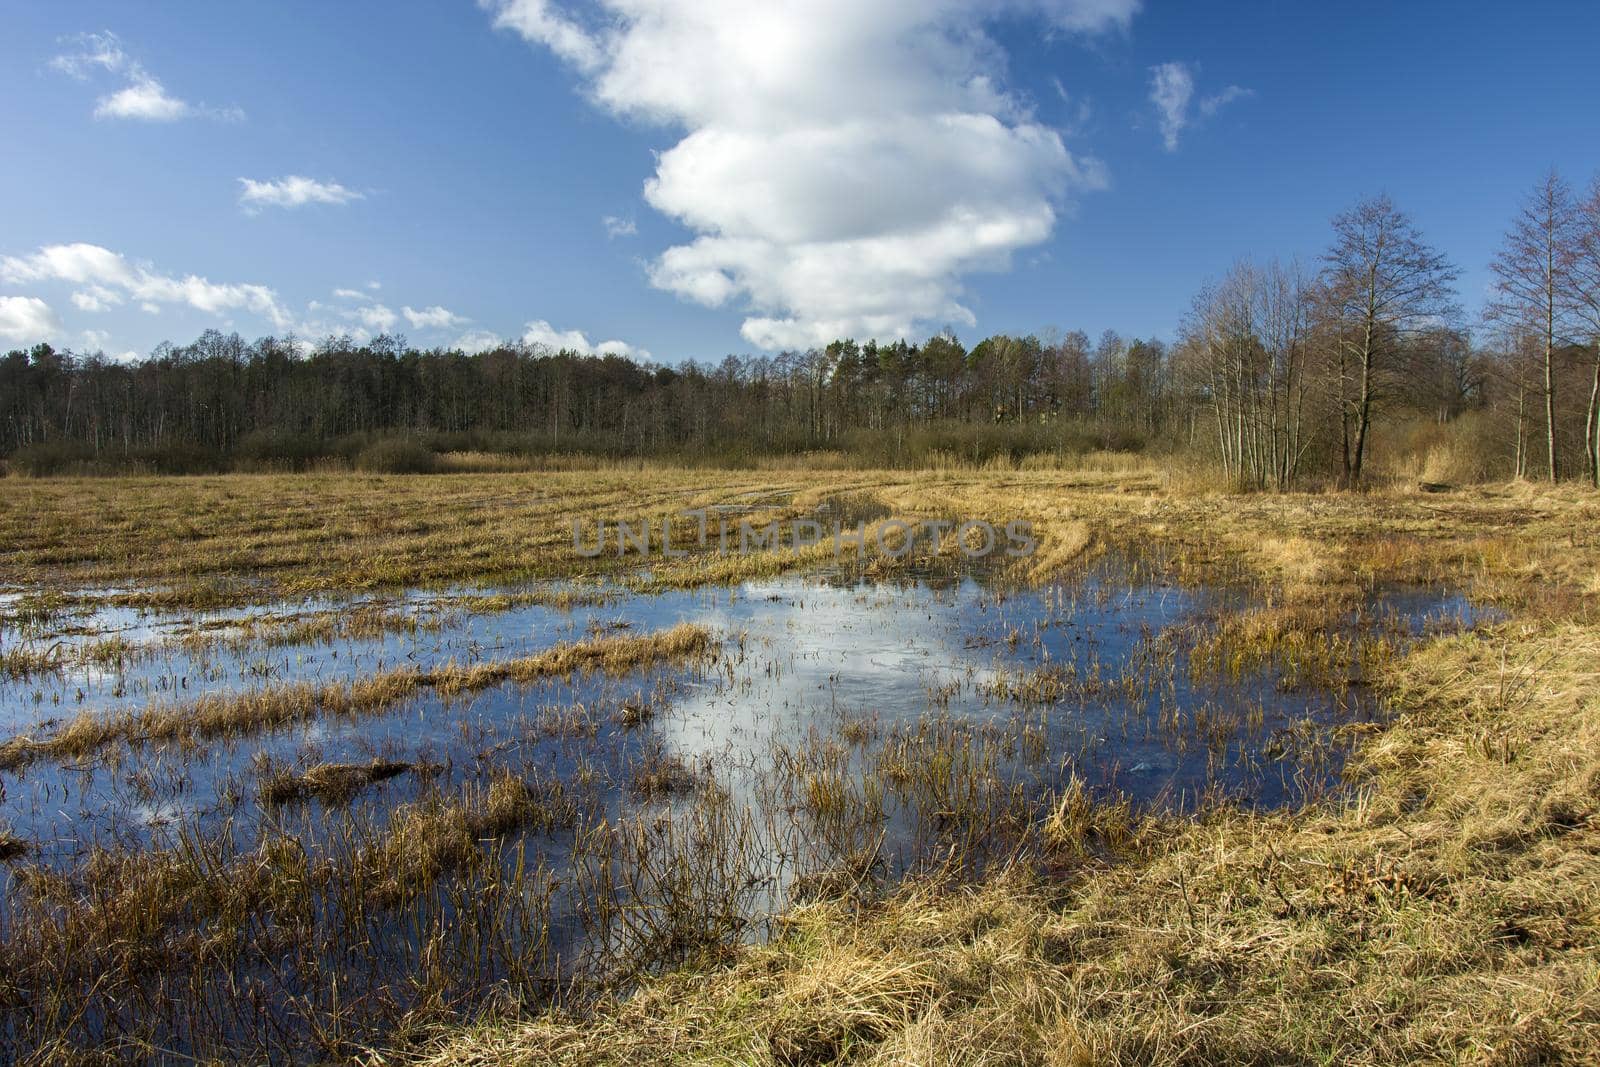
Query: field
[(349, 766)]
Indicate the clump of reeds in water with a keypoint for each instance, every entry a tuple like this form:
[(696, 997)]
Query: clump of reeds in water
[(328, 782)]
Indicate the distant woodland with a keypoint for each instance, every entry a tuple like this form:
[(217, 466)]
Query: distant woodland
[(1282, 375)]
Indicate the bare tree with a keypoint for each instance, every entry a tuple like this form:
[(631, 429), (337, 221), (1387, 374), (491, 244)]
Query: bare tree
[(1583, 278), (1385, 283), (1533, 285), (1245, 341)]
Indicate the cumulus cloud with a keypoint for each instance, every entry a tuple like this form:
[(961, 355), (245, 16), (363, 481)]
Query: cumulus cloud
[(109, 278), (1172, 90), (475, 341), (375, 317), (26, 319), (291, 192), (540, 334), (142, 96), (432, 318), (844, 164), (145, 99)]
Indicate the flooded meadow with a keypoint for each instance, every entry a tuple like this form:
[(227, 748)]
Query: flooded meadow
[(291, 830)]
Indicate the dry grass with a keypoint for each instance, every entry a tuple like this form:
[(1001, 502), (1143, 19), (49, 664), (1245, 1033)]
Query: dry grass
[(238, 714), (198, 542), (426, 839), (329, 782)]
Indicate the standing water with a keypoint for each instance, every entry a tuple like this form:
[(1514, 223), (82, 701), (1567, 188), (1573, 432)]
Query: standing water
[(297, 891)]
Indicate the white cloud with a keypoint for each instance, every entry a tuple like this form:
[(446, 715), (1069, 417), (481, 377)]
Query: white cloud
[(96, 298), (617, 226), (108, 278), (27, 319), (375, 318), (293, 191), (1171, 89), (142, 97), (145, 99), (95, 50), (103, 279), (541, 334), (475, 341), (432, 318), (845, 163), (1214, 103)]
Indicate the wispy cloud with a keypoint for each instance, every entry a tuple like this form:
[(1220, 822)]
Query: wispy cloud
[(1210, 105), (617, 226), (1172, 91), (142, 97), (293, 191)]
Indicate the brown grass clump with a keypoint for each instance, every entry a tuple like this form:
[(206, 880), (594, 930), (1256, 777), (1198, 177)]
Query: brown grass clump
[(660, 773), (329, 782), (23, 661), (11, 846), (426, 839), (236, 714)]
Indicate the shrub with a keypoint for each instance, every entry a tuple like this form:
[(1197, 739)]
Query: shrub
[(49, 458), (397, 455), (269, 450)]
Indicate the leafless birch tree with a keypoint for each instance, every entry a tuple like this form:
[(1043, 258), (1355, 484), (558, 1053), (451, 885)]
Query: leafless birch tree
[(1533, 286), (1584, 294)]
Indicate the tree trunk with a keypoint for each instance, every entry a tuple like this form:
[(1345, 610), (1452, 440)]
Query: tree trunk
[(1522, 454), (1364, 416), (1591, 423), (1550, 405)]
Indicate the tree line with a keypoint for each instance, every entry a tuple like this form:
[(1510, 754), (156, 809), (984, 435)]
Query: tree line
[(1281, 375)]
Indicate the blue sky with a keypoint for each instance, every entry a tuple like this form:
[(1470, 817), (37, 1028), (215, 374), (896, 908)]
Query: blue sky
[(813, 168)]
